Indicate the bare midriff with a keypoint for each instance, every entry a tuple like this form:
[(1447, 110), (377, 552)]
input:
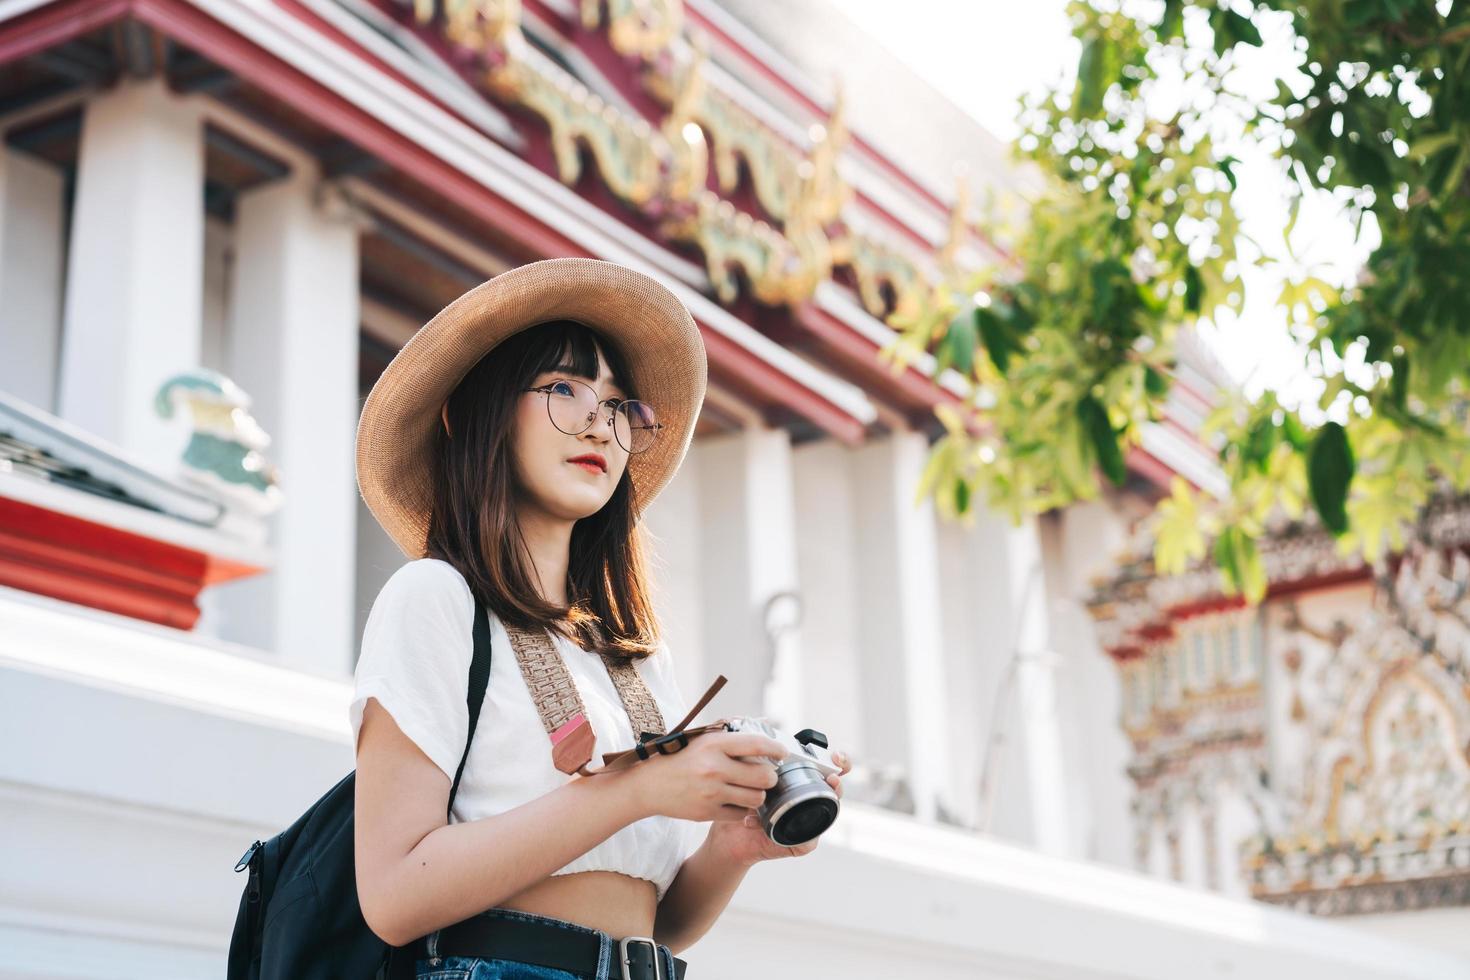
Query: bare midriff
[(618, 904)]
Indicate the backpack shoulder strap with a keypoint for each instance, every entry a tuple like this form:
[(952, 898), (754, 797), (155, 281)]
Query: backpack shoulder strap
[(475, 695)]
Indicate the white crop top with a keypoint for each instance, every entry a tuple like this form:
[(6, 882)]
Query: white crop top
[(416, 651)]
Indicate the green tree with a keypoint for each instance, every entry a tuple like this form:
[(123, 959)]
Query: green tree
[(1132, 236)]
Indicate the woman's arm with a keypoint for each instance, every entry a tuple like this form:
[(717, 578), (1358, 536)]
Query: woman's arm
[(708, 878), (415, 873), (699, 893)]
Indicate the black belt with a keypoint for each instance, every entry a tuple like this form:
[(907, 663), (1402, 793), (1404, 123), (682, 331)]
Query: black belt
[(488, 937)]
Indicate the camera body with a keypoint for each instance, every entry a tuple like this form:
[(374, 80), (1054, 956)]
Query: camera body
[(802, 804)]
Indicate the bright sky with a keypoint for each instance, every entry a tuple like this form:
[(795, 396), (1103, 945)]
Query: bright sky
[(983, 54)]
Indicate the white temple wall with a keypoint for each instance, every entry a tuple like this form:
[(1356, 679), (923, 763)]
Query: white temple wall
[(1007, 616), (966, 644), (1192, 845), (219, 257), (898, 611), (1082, 541), (293, 346), (673, 548), (883, 895), (1234, 822), (32, 267), (747, 555), (377, 559), (825, 555)]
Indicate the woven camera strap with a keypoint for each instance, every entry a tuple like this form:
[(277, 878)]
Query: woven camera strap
[(560, 704)]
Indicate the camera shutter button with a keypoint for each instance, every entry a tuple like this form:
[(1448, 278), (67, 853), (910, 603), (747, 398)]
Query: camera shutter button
[(810, 736)]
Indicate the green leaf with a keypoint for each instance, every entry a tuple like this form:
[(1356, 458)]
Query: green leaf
[(1155, 382), (1242, 29), (1094, 419), (961, 341), (1366, 161), (1226, 560), (1089, 79), (1262, 440), (1330, 467), (1227, 167), (1239, 561), (1291, 427), (1240, 564), (1250, 568), (1194, 288), (1360, 12), (1398, 386), (1172, 23), (996, 337), (1179, 538), (1102, 286), (1430, 145)]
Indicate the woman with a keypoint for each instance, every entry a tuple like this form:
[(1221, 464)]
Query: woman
[(509, 450)]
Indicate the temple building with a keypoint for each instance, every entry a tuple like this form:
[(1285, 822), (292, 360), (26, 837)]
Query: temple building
[(1310, 751), (220, 219)]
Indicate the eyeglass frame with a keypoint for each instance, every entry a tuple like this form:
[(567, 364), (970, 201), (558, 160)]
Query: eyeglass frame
[(544, 388)]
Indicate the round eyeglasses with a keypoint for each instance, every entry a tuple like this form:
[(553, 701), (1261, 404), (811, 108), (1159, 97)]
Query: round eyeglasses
[(573, 407)]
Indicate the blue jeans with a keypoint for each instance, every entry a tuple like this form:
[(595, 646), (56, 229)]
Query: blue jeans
[(480, 968)]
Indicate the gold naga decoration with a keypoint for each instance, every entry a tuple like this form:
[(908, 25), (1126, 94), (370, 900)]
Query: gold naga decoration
[(772, 162), (627, 158), (876, 264), (781, 268), (636, 27), (664, 169)]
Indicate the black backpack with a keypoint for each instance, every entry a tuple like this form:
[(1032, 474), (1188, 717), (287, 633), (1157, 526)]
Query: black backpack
[(299, 917)]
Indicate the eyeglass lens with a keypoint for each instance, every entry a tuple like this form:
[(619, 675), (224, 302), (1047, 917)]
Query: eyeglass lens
[(573, 407)]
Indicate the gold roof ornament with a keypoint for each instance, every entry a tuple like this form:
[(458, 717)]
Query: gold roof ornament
[(664, 169), (636, 27)]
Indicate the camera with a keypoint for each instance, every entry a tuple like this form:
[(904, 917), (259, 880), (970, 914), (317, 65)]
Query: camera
[(802, 804)]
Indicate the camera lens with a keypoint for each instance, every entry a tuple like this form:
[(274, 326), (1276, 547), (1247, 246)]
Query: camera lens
[(800, 806), (804, 821)]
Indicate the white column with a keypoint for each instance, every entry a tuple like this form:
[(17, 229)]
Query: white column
[(967, 640), (1088, 536), (671, 534), (135, 272), (747, 556), (293, 346), (826, 527), (897, 578), (32, 243), (1026, 796)]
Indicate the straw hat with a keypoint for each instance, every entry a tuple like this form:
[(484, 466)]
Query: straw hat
[(648, 323)]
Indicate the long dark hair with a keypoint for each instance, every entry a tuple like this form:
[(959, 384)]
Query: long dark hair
[(474, 524)]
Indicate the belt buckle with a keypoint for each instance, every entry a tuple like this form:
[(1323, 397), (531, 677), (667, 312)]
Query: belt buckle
[(624, 961)]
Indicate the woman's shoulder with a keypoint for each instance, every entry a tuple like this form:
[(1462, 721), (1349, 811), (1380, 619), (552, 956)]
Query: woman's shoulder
[(429, 572), (428, 583)]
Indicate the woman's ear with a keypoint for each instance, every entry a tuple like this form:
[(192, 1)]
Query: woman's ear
[(444, 414)]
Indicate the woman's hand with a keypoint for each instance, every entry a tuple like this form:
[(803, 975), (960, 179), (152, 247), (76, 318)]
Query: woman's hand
[(708, 779), (745, 843)]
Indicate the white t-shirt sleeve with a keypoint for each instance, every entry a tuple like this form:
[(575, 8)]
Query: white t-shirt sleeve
[(415, 659)]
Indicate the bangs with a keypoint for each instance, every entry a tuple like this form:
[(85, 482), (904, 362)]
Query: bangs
[(571, 346)]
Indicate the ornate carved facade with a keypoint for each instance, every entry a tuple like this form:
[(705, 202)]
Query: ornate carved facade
[(1315, 751)]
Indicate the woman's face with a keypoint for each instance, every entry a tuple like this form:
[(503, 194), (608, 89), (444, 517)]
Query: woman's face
[(551, 483)]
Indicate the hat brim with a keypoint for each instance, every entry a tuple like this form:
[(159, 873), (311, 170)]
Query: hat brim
[(650, 326)]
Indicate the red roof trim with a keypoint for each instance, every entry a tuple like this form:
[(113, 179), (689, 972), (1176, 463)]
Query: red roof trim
[(58, 23), (76, 560), (860, 355)]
